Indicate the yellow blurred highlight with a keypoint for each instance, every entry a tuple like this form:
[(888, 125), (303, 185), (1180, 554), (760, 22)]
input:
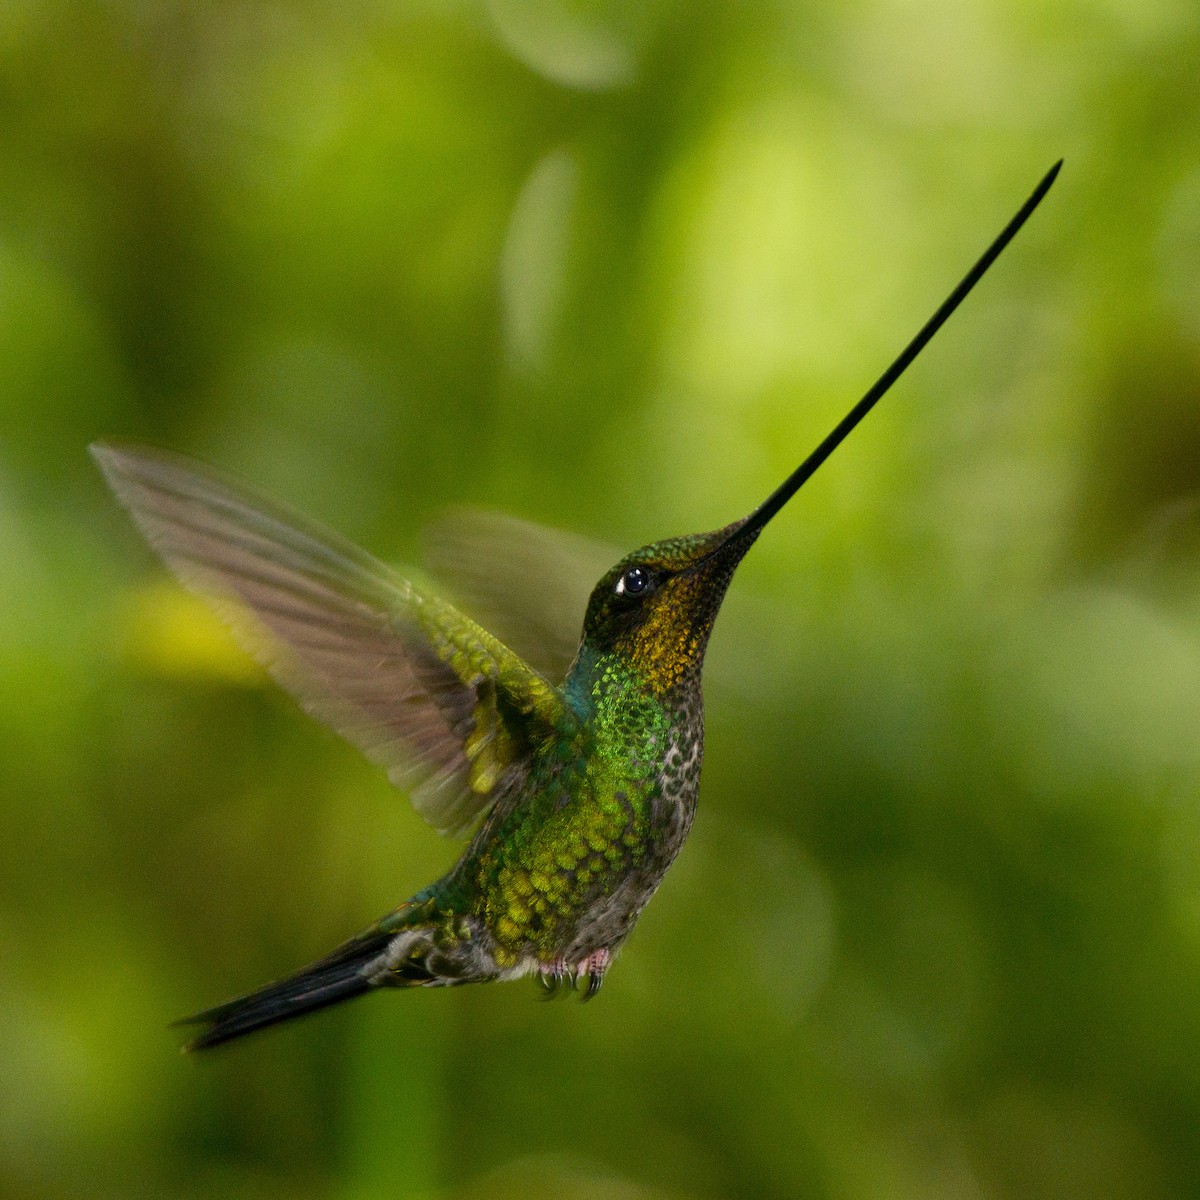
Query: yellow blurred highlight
[(168, 631)]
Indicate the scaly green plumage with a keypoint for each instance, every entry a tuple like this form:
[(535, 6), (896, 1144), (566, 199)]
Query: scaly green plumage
[(582, 792)]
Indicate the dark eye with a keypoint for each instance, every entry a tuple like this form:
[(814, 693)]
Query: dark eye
[(633, 583)]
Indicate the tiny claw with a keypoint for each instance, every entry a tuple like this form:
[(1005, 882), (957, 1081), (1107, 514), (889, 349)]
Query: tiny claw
[(594, 967), (552, 976)]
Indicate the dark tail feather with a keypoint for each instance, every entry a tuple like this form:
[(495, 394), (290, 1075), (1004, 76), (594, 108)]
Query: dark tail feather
[(335, 978)]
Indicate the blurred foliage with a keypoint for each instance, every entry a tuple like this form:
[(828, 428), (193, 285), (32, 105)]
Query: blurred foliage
[(617, 268)]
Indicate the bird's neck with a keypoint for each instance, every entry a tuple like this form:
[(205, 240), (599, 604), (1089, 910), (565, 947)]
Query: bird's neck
[(601, 681)]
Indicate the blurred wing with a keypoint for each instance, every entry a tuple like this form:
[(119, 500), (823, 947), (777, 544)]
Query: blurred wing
[(528, 583), (421, 689)]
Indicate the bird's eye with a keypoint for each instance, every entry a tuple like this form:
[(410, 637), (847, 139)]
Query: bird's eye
[(633, 583)]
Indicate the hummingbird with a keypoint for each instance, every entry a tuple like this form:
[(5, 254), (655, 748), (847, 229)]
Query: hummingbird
[(577, 793)]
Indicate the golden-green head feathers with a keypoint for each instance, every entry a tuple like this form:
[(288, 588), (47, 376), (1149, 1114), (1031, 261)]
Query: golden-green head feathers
[(655, 609)]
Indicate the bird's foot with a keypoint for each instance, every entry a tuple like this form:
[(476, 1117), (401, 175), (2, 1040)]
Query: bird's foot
[(594, 967), (554, 976)]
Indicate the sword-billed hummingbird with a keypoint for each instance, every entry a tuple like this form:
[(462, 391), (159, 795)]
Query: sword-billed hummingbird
[(581, 792)]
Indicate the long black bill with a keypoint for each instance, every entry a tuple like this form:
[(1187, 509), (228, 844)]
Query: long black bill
[(751, 525)]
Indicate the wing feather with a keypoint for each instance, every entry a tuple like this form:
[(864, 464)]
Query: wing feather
[(416, 685), (528, 582)]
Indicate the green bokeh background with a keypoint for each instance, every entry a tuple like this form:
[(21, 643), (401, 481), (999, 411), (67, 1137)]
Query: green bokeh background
[(617, 267)]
